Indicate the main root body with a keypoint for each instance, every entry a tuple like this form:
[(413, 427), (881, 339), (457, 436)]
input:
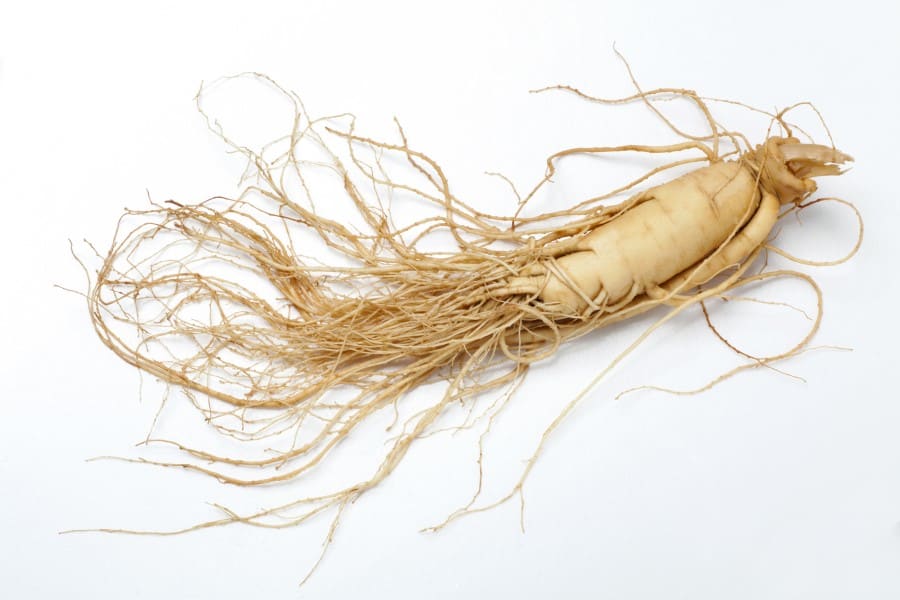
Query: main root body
[(219, 300)]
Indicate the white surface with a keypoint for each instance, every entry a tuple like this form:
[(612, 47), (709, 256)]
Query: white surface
[(764, 487)]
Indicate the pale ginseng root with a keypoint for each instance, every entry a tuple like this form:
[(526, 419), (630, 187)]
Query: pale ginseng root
[(390, 315)]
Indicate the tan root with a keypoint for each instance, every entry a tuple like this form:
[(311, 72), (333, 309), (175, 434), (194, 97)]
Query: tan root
[(219, 300)]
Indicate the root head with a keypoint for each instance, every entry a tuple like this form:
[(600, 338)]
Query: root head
[(786, 166)]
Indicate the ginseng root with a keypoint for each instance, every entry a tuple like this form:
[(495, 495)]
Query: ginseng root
[(218, 299)]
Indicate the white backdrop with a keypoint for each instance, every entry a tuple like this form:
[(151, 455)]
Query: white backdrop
[(763, 487)]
